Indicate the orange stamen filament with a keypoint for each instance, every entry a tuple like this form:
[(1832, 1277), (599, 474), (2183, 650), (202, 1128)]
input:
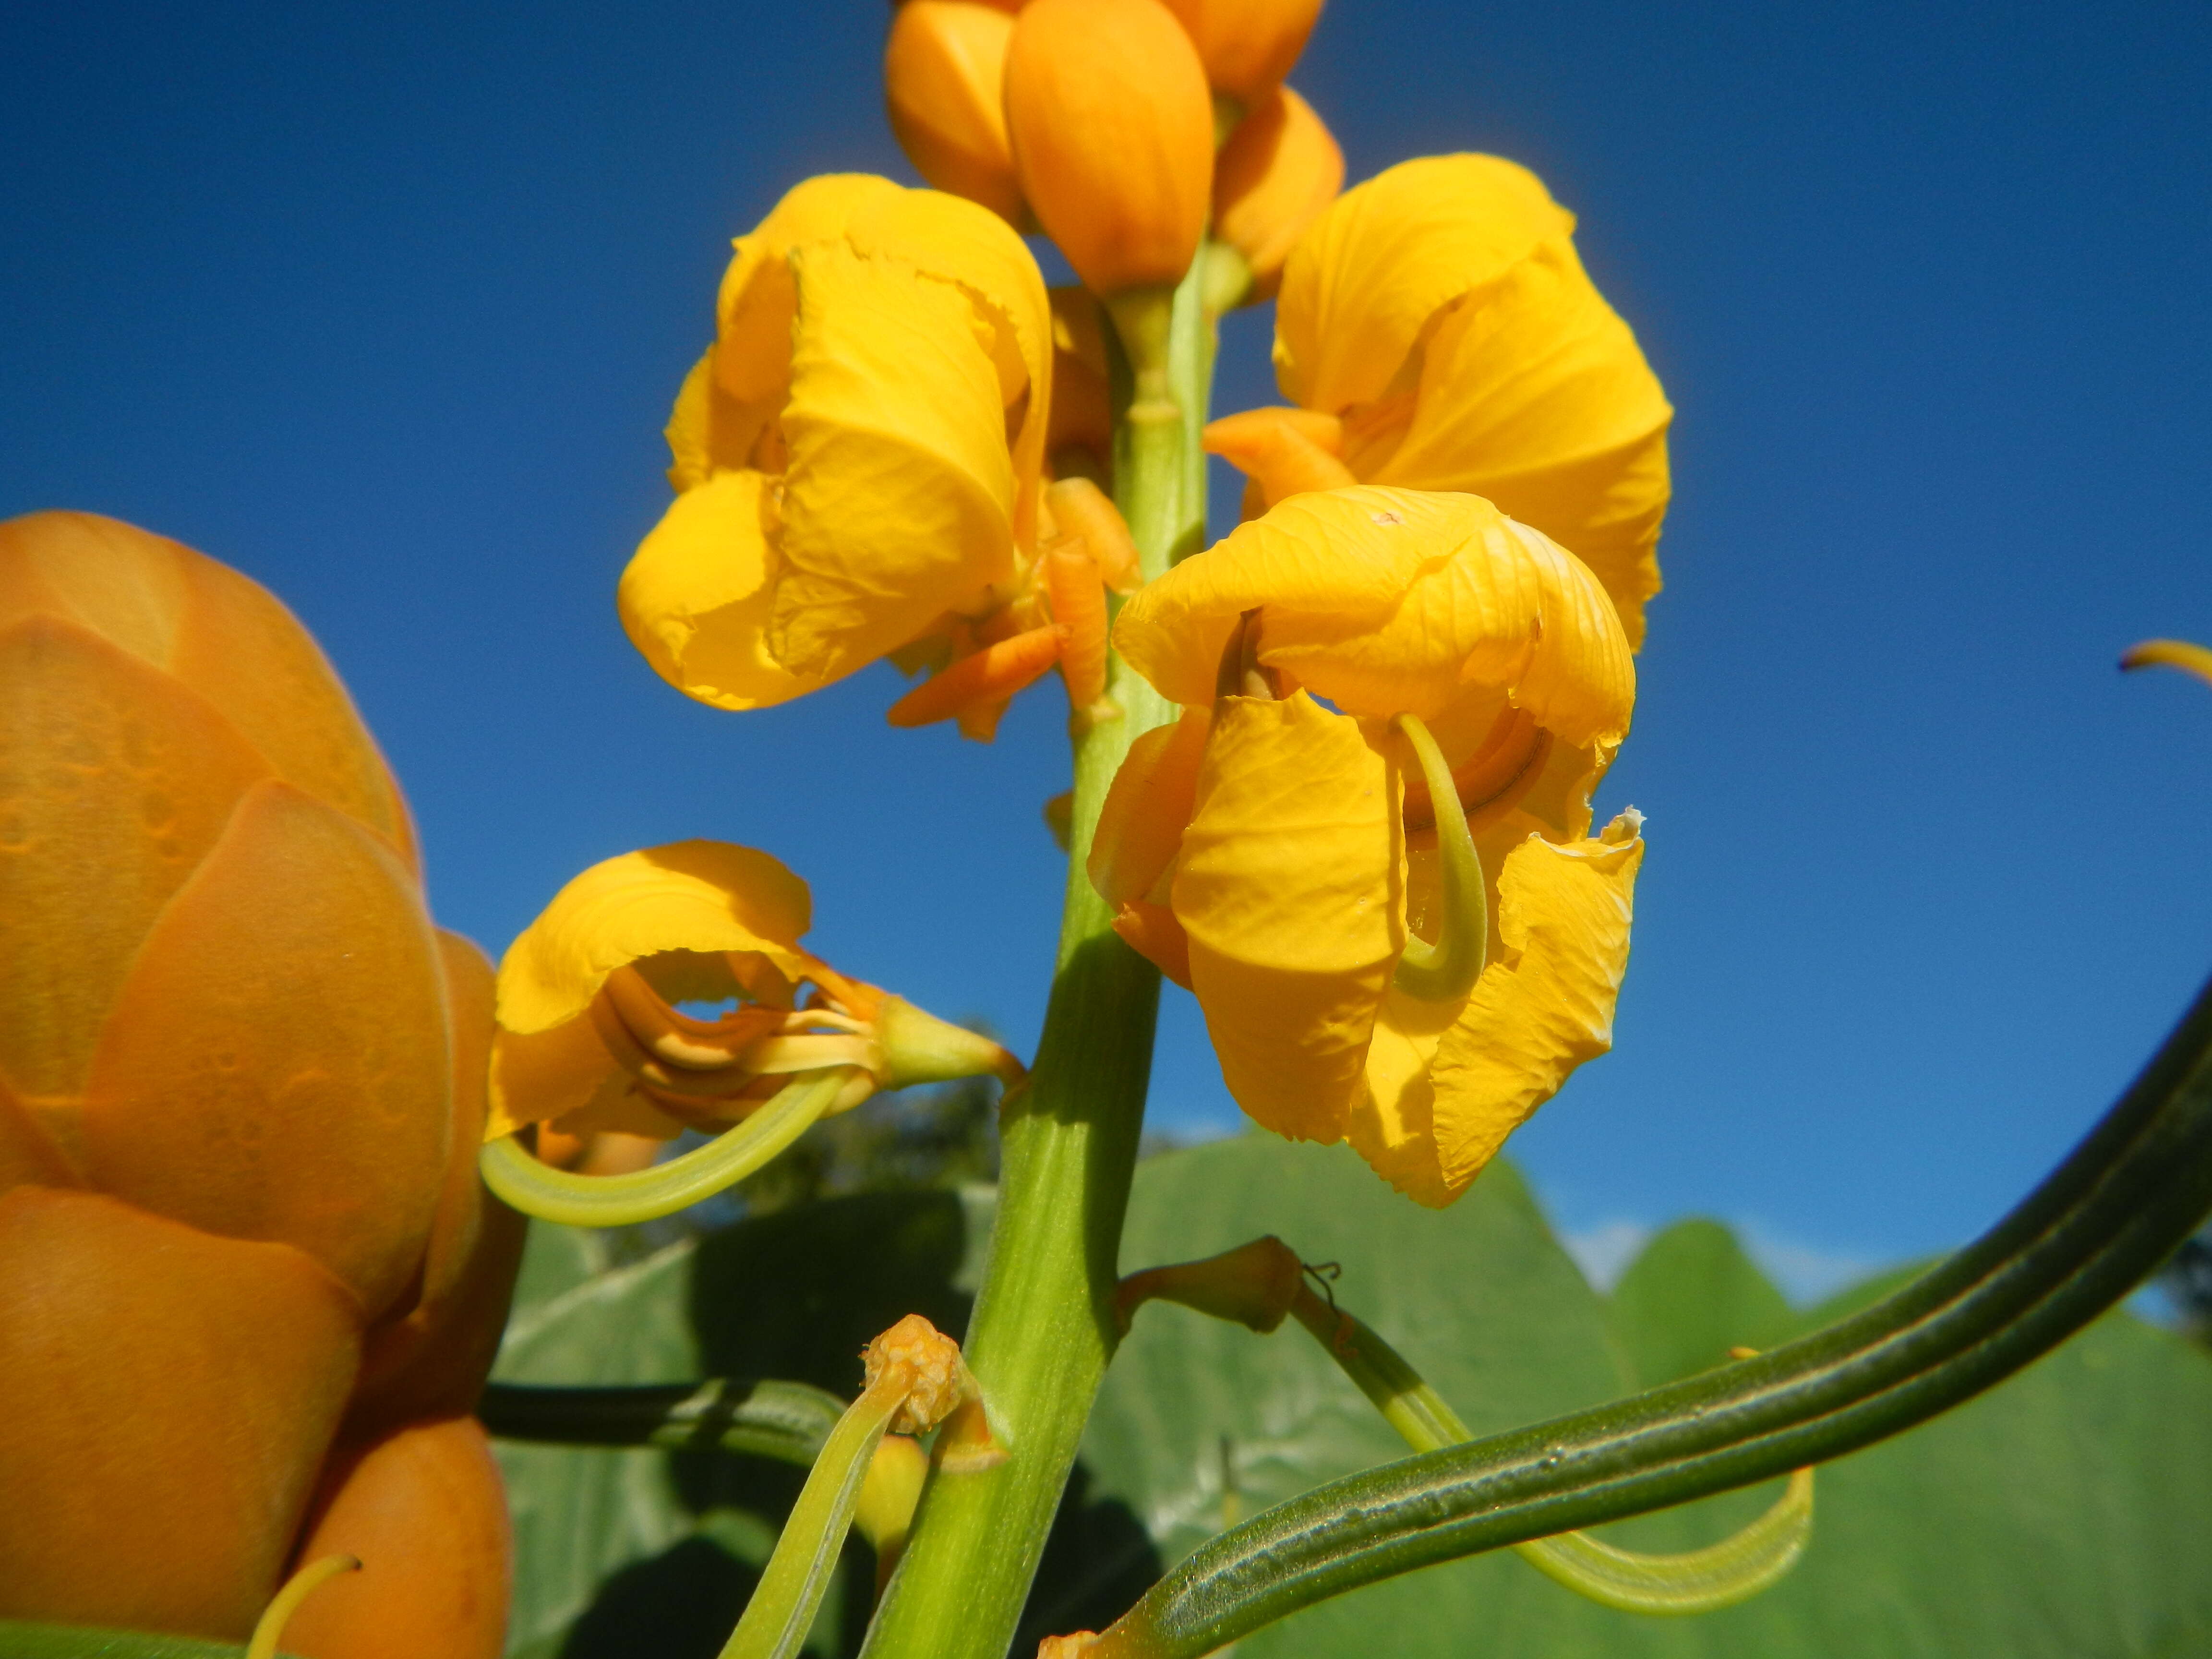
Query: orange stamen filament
[(1078, 595)]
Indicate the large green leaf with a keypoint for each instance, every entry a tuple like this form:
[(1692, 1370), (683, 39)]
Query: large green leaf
[(2067, 1513)]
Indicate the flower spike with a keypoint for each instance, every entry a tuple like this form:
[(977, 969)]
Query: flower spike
[(1446, 970)]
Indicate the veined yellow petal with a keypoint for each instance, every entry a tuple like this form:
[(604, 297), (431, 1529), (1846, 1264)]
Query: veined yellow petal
[(899, 502), (1532, 393), (697, 597), (547, 1074), (757, 301), (1363, 283), (703, 895), (1393, 601), (1540, 1011), (708, 431), (1292, 890)]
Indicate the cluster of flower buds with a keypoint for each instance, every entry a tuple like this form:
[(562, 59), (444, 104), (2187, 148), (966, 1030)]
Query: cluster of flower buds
[(1121, 127), (250, 1285)]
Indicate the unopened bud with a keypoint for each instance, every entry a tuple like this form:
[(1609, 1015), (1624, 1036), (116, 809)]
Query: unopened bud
[(942, 67), (915, 1356), (920, 1047), (1247, 46), (1276, 173), (1253, 1285), (1112, 130)]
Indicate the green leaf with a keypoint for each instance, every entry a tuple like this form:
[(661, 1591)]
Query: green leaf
[(620, 1551), (2063, 1515), (28, 1641)]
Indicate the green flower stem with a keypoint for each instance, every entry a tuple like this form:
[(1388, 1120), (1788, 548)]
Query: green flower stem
[(787, 1421), (1734, 1569), (2118, 1205), (783, 1604), (1044, 1326)]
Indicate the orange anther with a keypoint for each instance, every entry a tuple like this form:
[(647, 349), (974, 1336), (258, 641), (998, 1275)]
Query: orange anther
[(1082, 510), (1285, 451), (991, 675), (1078, 604)]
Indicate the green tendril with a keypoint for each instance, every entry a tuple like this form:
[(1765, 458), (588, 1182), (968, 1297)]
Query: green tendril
[(586, 1200), (1447, 970), (1698, 1581)]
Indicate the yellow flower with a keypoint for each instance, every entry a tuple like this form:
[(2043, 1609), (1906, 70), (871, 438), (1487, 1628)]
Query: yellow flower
[(591, 1037), (1273, 854), (1276, 171), (860, 454), (1436, 331)]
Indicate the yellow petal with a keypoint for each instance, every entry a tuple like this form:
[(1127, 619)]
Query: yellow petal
[(1534, 393), (698, 596), (757, 301), (1292, 890), (704, 895), (1391, 601), (1542, 1008), (1147, 805), (900, 498), (1363, 281), (543, 1075), (708, 431)]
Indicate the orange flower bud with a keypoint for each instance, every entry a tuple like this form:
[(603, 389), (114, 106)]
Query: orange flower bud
[(1112, 128), (424, 1511), (942, 67), (169, 1397), (1247, 47), (223, 1009), (1280, 167)]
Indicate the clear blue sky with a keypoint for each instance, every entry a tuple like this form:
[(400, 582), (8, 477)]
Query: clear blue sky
[(386, 305)]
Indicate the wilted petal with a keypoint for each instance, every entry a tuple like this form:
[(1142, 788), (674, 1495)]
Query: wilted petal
[(169, 1398), (696, 895), (276, 1065), (1292, 890)]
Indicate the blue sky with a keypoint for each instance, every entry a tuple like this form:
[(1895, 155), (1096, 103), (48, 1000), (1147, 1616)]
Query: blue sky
[(384, 305)]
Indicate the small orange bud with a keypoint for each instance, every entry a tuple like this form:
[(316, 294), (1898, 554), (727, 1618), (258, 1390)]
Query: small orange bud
[(1247, 47), (1112, 128), (942, 67), (425, 1512), (1280, 167)]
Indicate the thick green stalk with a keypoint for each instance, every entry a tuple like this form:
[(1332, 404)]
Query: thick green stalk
[(1043, 1326)]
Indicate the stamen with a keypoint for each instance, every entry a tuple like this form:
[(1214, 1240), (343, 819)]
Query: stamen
[(1078, 604), (1447, 970), (670, 1035), (621, 1200)]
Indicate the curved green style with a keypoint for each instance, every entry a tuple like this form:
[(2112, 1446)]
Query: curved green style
[(1446, 970), (583, 1201), (2129, 1194), (787, 1421)]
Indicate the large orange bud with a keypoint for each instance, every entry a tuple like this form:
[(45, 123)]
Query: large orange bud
[(942, 68), (240, 1086), (1112, 130), (1247, 47), (1280, 167)]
